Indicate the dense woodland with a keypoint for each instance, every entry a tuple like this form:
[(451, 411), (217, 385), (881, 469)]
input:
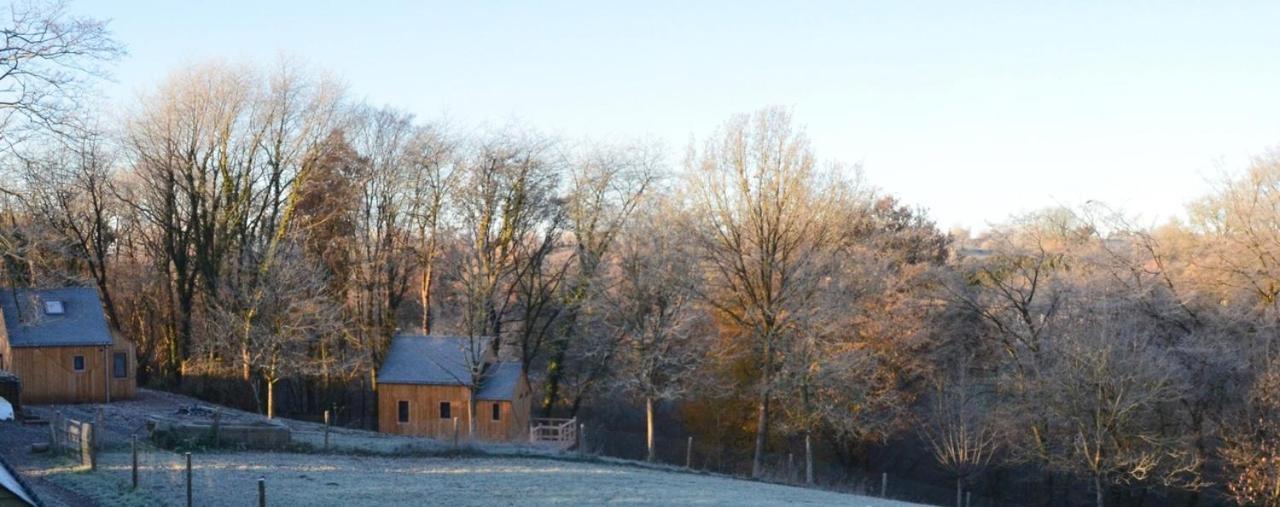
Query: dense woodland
[(261, 236)]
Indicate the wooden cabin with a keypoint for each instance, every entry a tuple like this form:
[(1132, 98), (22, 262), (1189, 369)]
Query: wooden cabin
[(425, 382), (59, 345)]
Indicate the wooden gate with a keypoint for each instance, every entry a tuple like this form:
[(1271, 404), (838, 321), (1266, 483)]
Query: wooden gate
[(562, 433)]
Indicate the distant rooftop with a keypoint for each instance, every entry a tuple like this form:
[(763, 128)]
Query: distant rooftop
[(68, 317)]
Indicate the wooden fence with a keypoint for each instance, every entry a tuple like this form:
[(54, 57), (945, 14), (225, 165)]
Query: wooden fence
[(559, 432), (75, 436)]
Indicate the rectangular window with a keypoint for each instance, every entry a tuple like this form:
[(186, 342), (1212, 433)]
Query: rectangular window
[(120, 365), (497, 411), (446, 411), (77, 363), (404, 411)]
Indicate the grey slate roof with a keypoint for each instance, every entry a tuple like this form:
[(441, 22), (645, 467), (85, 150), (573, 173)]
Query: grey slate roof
[(82, 324), (444, 360), (501, 382)]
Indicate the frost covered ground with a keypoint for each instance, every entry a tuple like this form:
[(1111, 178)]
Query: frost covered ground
[(368, 468), (230, 479)]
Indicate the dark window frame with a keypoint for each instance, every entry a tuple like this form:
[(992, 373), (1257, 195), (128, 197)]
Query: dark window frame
[(497, 412), (77, 363), (119, 365), (446, 410), (402, 411)]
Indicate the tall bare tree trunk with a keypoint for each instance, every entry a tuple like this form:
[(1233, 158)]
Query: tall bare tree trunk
[(959, 492), (808, 457), (471, 414), (1097, 489), (762, 422), (271, 398), (425, 297), (762, 434), (648, 413)]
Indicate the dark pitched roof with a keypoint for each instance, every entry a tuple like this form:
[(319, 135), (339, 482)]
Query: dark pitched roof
[(13, 483), (444, 360), (433, 360), (501, 381), (81, 323)]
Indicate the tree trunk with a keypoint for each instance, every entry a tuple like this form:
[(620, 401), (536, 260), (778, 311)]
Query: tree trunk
[(808, 457), (762, 433), (959, 492), (271, 399), (762, 422), (426, 296), (551, 391), (1097, 488), (471, 414), (648, 414)]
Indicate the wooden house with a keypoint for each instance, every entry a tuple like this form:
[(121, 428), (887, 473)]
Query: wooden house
[(59, 345), (425, 382)]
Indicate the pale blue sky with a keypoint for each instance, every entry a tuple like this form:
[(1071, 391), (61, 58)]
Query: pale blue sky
[(973, 110)]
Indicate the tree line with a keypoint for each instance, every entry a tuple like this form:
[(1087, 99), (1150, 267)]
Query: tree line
[(256, 227)]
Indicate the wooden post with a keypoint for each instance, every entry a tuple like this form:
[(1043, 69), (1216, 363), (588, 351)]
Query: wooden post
[(87, 454), (134, 446), (326, 430), (262, 492), (189, 499), (582, 435), (791, 465), (968, 495), (53, 433), (884, 484), (97, 423), (455, 432), (688, 454), (217, 427)]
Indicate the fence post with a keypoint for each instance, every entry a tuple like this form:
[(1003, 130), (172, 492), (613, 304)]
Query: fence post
[(582, 435), (262, 491), (884, 484), (53, 433), (134, 446), (189, 502), (326, 430), (217, 427), (791, 466), (87, 454), (688, 454), (455, 432)]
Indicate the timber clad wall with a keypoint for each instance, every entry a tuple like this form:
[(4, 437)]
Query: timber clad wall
[(424, 412), (48, 374), (424, 409)]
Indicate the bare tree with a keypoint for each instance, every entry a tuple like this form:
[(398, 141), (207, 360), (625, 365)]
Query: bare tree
[(606, 184), (662, 339), (511, 223), (48, 60), (293, 316), (765, 224), (959, 428)]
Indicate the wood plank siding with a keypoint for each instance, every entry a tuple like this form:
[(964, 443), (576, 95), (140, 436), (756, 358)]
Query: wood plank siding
[(424, 412)]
